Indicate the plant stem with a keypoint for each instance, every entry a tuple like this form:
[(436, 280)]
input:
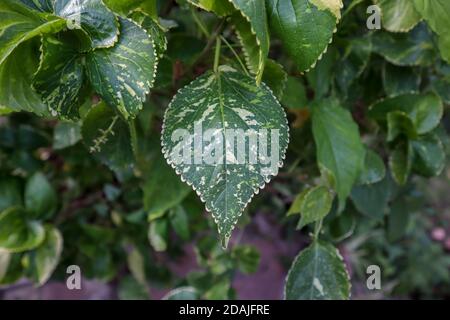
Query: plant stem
[(236, 55), (134, 142), (200, 24), (317, 228), (217, 54)]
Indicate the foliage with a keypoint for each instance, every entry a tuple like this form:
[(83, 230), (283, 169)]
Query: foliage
[(90, 90)]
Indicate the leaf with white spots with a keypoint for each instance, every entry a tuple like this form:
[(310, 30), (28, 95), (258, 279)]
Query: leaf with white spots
[(124, 74), (225, 108), (60, 76), (305, 27), (93, 17), (318, 272)]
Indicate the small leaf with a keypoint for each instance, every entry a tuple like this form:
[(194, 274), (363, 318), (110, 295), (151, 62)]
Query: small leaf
[(40, 197), (47, 255), (374, 169), (217, 102), (180, 222), (247, 258), (398, 15), (398, 219), (60, 76), (19, 23), (158, 234), (305, 27), (294, 96), (17, 233), (313, 204), (91, 16), (400, 162), (424, 110), (318, 272), (339, 147), (136, 265), (429, 155), (124, 74), (108, 137)]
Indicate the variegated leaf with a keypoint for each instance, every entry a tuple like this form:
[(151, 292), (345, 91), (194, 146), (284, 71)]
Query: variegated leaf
[(218, 104), (60, 75), (19, 23), (305, 27), (91, 16), (124, 74), (154, 29), (39, 5)]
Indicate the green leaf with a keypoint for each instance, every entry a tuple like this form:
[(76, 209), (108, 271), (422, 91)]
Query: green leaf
[(318, 272), (66, 134), (47, 255), (339, 147), (275, 77), (305, 27), (160, 174), (40, 197), (398, 219), (11, 192), (247, 258), (39, 5), (11, 268), (424, 110), (130, 289), (219, 7), (158, 234), (398, 122), (5, 258), (429, 155), (182, 293), (136, 265), (60, 76), (124, 74), (400, 162), (218, 102), (372, 199), (16, 75), (91, 16), (294, 96), (398, 15), (19, 23), (313, 204), (108, 137), (410, 49), (125, 7), (374, 169), (250, 22), (400, 80), (17, 233), (180, 223), (437, 15)]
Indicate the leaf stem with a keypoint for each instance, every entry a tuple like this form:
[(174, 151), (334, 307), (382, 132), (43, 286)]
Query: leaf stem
[(317, 228), (200, 24), (217, 54), (134, 140), (235, 54)]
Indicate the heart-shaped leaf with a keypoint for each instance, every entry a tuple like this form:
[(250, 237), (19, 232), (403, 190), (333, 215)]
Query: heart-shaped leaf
[(305, 27), (226, 106), (124, 74)]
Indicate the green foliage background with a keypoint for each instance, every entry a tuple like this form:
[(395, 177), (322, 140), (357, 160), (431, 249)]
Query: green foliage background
[(365, 180)]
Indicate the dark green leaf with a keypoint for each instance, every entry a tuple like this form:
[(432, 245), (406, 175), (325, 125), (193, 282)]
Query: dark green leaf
[(400, 80), (374, 169), (429, 155), (400, 162), (40, 197)]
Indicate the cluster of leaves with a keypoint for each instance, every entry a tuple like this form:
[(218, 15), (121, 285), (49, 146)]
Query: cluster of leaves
[(365, 118)]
